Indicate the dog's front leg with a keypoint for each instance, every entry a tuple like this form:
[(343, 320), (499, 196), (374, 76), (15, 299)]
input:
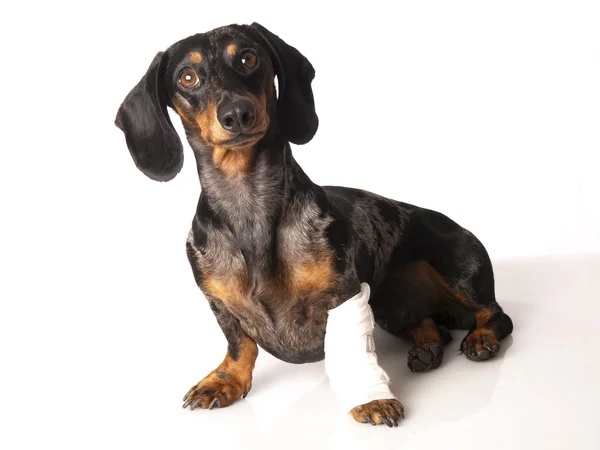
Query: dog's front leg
[(233, 378), (360, 384)]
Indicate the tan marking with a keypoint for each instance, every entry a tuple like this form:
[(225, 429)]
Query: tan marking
[(477, 340), (183, 107), (181, 113), (378, 411), (219, 154), (241, 367), (230, 290), (422, 277), (313, 276), (480, 333), (195, 57), (231, 49), (425, 332), (482, 316), (425, 271), (429, 281), (179, 110), (232, 162), (214, 134), (230, 380), (211, 130)]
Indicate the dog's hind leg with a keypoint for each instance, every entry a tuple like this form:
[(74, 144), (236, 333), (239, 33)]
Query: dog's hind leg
[(406, 303), (481, 314), (483, 340), (428, 351), (451, 280), (416, 300)]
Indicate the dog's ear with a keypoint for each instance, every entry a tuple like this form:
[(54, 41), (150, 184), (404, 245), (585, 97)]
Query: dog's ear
[(296, 115), (153, 142)]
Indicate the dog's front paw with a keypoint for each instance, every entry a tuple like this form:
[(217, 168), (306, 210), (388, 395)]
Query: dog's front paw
[(217, 390), (379, 412)]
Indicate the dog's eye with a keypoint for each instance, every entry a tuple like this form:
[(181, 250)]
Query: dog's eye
[(188, 78), (249, 60)]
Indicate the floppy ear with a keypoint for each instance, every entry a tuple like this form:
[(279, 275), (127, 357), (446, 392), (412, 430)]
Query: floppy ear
[(296, 115), (153, 142)]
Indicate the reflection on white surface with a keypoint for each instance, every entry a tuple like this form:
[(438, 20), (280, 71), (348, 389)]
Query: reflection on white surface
[(117, 381)]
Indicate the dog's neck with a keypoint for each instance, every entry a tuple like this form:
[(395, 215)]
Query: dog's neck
[(251, 205)]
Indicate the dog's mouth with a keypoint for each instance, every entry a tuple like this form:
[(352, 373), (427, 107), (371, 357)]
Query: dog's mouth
[(242, 140)]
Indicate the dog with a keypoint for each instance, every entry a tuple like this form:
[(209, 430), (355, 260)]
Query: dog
[(273, 252)]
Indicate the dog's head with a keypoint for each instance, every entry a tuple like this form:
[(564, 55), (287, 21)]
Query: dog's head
[(221, 84)]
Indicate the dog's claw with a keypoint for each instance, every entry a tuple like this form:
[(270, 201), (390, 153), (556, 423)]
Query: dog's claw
[(379, 412), (383, 416), (368, 419), (400, 410), (218, 389), (480, 345)]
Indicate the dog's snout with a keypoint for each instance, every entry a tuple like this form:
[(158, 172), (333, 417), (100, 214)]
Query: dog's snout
[(237, 116)]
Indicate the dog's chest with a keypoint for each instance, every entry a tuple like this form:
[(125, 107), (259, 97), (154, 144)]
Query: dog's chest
[(282, 304)]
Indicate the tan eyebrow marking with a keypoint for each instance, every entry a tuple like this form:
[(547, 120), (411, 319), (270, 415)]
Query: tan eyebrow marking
[(195, 57), (231, 49)]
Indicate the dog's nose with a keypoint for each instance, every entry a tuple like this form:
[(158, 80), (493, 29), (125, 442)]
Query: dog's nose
[(237, 116)]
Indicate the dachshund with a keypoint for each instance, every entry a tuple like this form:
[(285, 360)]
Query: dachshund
[(272, 251)]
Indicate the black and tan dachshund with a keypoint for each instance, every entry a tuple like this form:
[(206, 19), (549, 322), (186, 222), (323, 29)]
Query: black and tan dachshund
[(272, 251)]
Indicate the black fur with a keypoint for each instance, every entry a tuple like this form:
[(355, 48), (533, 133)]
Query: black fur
[(153, 143), (296, 116)]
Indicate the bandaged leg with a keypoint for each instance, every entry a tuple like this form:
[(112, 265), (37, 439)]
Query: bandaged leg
[(350, 359)]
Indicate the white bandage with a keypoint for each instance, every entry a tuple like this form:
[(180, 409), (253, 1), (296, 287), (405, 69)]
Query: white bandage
[(350, 359)]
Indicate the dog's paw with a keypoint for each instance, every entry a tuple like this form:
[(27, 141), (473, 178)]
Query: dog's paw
[(480, 345), (217, 390), (379, 412), (425, 357)]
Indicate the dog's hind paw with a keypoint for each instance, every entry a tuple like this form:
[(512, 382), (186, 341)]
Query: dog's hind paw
[(480, 345), (425, 357)]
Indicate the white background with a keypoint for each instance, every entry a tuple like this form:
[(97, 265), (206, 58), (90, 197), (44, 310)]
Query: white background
[(486, 111)]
